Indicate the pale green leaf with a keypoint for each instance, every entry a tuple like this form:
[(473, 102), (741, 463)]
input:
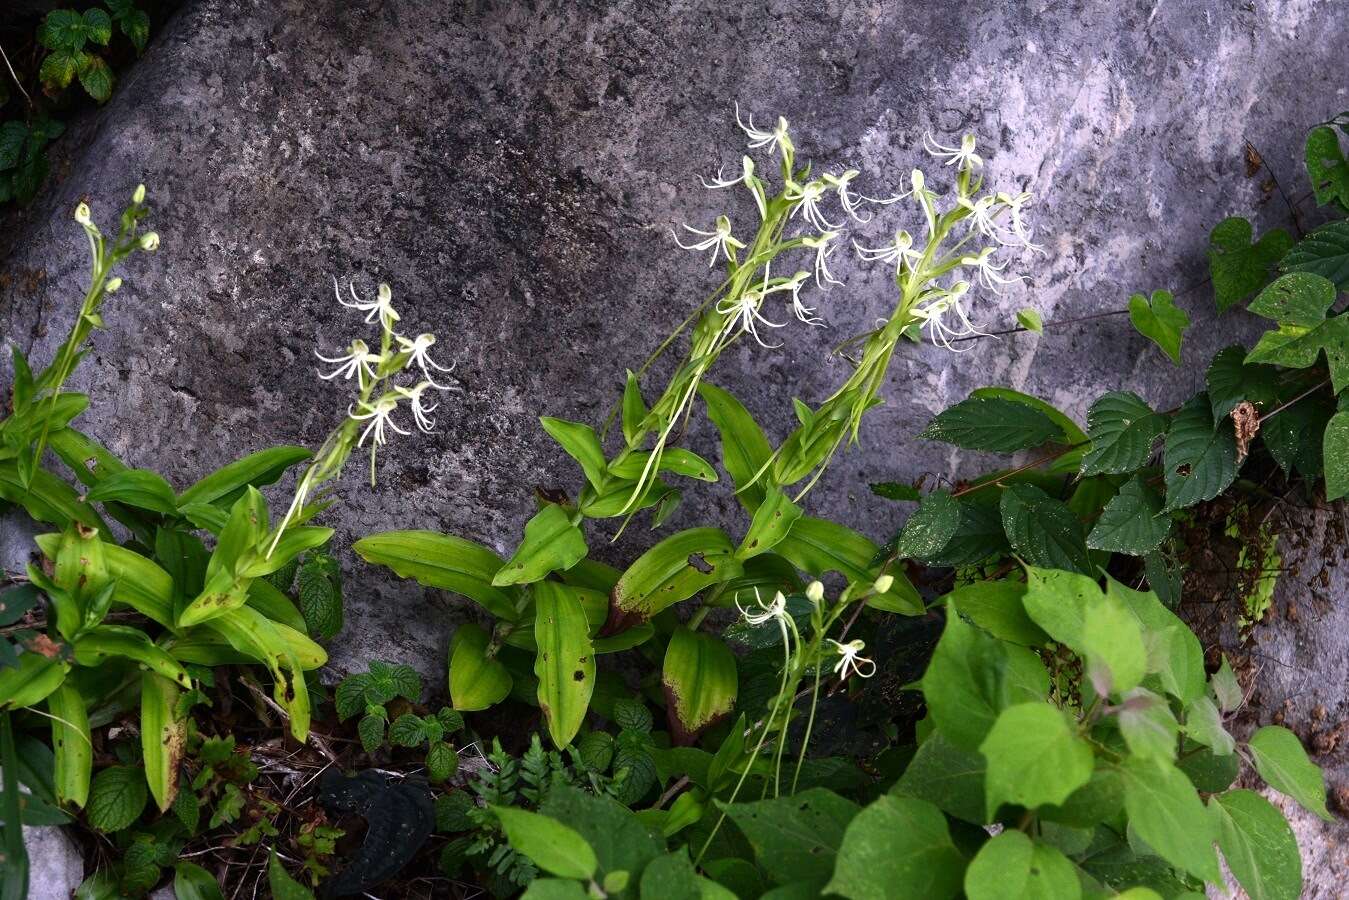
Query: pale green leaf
[(1035, 757)]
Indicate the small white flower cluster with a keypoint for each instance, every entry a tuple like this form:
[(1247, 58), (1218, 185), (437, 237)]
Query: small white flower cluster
[(398, 354), (850, 660), (941, 310)]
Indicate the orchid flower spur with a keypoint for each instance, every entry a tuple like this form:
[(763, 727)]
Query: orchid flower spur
[(720, 241)]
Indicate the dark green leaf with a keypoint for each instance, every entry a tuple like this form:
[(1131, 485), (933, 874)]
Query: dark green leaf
[(192, 882), (1044, 531), (1122, 428), (893, 490), (116, 798), (1239, 268), (1324, 252), (62, 29), (897, 847), (61, 66), (930, 528), (1132, 522), (997, 607), (1200, 457), (1335, 456), (1295, 436), (979, 536), (1327, 167), (947, 776), (1231, 381), (620, 841), (796, 838), (980, 423), (319, 592), (12, 136)]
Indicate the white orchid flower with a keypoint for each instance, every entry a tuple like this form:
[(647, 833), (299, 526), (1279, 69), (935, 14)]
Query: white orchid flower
[(421, 411), (743, 312), (851, 660), (418, 351), (794, 284), (379, 415), (746, 178), (850, 200), (719, 241), (962, 157), (766, 612), (1014, 204), (807, 202), (380, 308), (934, 316), (773, 140), (899, 251), (988, 272), (358, 361), (981, 217), (823, 245)]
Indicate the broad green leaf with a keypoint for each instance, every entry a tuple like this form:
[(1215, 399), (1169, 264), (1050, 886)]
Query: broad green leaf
[(700, 682), (1012, 867), (817, 546), (893, 490), (116, 798), (1132, 522), (295, 540), (162, 738), (141, 584), (1296, 436), (1238, 267), (771, 523), (671, 877), (96, 77), (1097, 626), (897, 847), (1283, 764), (973, 677), (1122, 428), (1159, 320), (286, 653), (620, 841), (62, 29), (1173, 651), (1204, 725), (442, 561), (744, 449), (1035, 757), (227, 484), (581, 444), (1200, 456), (673, 570), (1335, 456), (979, 537), (1166, 812), (990, 423), (930, 528), (48, 499), (554, 889), (1326, 166), (1099, 800), (565, 663), (94, 646), (1149, 728), (1070, 432), (31, 681), (1044, 531), (1030, 319), (554, 847), (60, 67), (71, 744), (1231, 380), (947, 776), (1324, 252), (97, 26), (796, 838), (551, 543), (282, 885), (1258, 845), (1300, 340), (192, 882), (1299, 298), (477, 681), (996, 607)]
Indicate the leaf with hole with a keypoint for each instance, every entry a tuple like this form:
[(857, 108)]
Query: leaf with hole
[(565, 662), (1200, 456)]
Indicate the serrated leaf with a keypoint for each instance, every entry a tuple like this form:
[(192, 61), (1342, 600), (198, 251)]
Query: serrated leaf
[(1159, 320), (1044, 531), (318, 590), (12, 136), (1122, 428), (1326, 166), (1132, 522), (1295, 437), (897, 847), (97, 26), (991, 423), (1283, 764), (1259, 846), (1324, 252), (1200, 458), (979, 537), (1035, 757), (62, 29), (551, 543), (61, 66), (116, 798), (371, 732), (1231, 380), (349, 697), (1238, 267), (394, 680), (96, 77), (408, 730), (930, 528)]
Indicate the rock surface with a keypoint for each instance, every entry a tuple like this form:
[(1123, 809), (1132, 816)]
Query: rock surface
[(514, 170)]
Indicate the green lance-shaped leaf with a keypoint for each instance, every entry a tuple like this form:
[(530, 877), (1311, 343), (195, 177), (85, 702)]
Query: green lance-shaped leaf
[(990, 423), (565, 662), (31, 681), (140, 488), (71, 744), (1326, 166), (1299, 341), (1335, 456), (1324, 252), (672, 459), (1035, 757), (1238, 267), (443, 561), (673, 570), (96, 645), (1132, 522), (897, 847), (1200, 456), (225, 485), (283, 651), (161, 738), (1259, 846), (817, 546), (554, 847), (551, 543), (1282, 762), (1122, 429), (1159, 320), (772, 522), (700, 682), (634, 411), (1011, 866), (48, 499), (1168, 815), (581, 444), (1043, 530), (477, 681), (744, 449)]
